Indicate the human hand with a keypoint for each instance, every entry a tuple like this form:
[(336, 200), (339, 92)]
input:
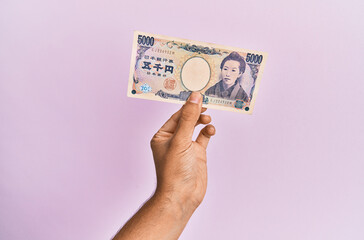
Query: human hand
[(181, 175), (180, 162)]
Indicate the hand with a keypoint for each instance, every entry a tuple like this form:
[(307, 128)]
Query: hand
[(181, 175), (180, 162)]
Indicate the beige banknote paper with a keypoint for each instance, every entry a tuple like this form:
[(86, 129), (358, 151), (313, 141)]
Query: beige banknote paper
[(168, 69)]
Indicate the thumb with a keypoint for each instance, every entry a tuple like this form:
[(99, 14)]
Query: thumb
[(189, 116)]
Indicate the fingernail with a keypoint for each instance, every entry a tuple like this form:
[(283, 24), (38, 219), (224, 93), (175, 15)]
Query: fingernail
[(195, 97)]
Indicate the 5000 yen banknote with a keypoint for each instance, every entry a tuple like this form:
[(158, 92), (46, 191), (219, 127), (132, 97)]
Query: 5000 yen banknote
[(168, 69)]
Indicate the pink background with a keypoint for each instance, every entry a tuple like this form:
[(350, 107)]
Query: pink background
[(75, 161)]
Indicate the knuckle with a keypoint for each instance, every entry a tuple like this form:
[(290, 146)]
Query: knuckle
[(154, 140)]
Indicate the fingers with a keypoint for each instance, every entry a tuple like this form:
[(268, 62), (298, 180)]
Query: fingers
[(190, 113), (205, 134), (203, 119), (172, 122)]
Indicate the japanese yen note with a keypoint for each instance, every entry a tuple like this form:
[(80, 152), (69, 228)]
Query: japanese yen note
[(168, 69)]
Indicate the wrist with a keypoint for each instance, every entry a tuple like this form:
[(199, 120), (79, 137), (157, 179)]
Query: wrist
[(178, 206)]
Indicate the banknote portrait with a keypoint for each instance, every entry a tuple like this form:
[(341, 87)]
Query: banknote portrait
[(232, 68)]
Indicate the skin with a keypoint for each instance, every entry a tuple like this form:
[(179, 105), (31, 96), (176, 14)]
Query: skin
[(230, 72), (181, 170)]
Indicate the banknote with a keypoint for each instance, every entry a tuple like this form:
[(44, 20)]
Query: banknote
[(169, 68)]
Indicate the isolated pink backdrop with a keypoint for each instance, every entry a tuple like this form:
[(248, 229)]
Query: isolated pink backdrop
[(75, 161)]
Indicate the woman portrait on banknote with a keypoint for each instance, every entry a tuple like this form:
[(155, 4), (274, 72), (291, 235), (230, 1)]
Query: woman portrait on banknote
[(229, 87)]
